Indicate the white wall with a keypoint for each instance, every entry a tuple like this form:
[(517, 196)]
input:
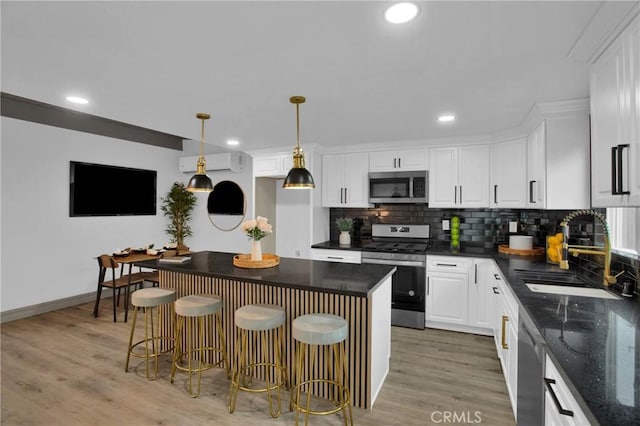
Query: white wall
[(47, 255)]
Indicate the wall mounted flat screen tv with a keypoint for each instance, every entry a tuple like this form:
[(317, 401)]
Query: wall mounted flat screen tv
[(102, 190)]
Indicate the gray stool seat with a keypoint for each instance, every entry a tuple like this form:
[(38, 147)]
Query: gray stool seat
[(197, 305), (259, 317), (320, 329), (152, 296)]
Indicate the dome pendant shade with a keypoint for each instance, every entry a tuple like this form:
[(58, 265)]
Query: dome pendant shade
[(298, 177), (200, 182)]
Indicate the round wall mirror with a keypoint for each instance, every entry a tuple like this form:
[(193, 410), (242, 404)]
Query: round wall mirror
[(226, 205)]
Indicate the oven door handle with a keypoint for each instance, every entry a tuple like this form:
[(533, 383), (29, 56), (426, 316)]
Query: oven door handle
[(395, 262)]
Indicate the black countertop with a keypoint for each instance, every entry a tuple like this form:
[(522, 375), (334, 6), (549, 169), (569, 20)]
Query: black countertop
[(327, 277), (593, 341)]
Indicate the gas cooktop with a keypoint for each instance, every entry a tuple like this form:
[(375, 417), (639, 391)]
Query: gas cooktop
[(398, 238), (397, 247)]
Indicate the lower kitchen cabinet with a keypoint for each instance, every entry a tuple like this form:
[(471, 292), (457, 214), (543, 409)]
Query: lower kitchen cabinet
[(458, 294), (447, 297), (560, 406), (505, 328)]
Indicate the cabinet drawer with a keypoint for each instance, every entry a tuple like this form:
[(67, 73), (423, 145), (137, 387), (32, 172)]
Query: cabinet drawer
[(449, 264), (561, 407), (343, 256)]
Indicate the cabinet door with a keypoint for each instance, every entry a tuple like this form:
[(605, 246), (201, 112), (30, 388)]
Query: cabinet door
[(481, 293), (473, 176), (607, 122), (443, 177), (356, 180), (632, 68), (333, 180), (412, 159), (509, 174), (536, 167), (401, 160), (511, 364), (447, 297)]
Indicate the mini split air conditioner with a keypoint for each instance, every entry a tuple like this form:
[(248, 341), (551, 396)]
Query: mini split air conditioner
[(230, 161)]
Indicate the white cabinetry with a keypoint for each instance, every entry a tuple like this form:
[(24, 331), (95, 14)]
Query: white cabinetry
[(509, 173), (459, 176), (558, 163), (505, 326), (341, 256), (560, 406), (480, 293), (401, 160), (458, 294), (345, 180), (615, 121), (272, 165)]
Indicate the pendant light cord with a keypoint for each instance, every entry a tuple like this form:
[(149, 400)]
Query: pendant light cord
[(202, 138), (298, 125)]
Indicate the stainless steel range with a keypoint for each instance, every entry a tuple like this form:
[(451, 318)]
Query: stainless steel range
[(403, 246)]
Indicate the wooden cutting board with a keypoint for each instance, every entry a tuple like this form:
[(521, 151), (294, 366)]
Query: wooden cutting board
[(536, 251)]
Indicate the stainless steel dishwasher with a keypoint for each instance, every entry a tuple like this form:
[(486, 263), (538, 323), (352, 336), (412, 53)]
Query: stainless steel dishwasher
[(531, 357)]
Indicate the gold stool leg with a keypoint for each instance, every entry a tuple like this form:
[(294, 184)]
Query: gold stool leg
[(177, 347), (239, 354), (133, 327), (222, 344)]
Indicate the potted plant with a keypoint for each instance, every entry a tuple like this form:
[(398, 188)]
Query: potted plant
[(345, 225), (177, 205)]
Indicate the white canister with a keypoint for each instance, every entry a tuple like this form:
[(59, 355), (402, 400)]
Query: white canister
[(521, 242)]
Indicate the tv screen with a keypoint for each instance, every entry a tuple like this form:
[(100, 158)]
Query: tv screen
[(101, 190)]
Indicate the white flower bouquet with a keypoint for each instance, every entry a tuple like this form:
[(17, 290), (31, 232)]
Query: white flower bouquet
[(258, 228)]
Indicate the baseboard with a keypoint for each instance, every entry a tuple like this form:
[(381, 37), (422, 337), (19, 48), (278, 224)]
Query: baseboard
[(41, 308)]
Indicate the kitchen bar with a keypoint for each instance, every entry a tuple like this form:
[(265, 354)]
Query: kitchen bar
[(360, 294)]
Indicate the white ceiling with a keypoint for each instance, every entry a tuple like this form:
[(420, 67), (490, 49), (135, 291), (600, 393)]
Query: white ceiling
[(156, 64)]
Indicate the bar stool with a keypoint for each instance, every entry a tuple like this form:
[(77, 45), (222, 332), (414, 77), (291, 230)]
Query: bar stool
[(330, 331), (150, 299), (193, 310), (253, 322)]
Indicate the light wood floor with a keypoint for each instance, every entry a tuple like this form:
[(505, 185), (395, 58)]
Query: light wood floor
[(67, 368)]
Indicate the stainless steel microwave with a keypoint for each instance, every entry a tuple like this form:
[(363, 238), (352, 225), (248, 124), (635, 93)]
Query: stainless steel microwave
[(399, 187)]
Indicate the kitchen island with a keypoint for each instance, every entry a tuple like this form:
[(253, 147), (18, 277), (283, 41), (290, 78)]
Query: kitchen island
[(359, 293)]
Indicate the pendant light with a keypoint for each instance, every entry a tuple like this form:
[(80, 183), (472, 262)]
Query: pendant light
[(200, 182), (298, 177)]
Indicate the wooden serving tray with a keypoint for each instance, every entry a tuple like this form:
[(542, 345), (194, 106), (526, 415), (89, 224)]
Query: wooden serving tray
[(244, 261), (536, 251)]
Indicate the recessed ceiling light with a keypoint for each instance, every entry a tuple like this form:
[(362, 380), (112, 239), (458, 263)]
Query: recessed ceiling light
[(233, 142), (446, 118), (400, 13), (77, 100)]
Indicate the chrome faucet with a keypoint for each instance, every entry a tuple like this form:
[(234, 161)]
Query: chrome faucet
[(575, 250)]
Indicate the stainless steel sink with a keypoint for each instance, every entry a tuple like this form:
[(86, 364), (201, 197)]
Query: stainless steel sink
[(550, 278), (567, 284)]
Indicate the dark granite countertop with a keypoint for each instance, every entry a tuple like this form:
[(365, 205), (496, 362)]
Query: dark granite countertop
[(327, 277), (335, 245), (593, 341)]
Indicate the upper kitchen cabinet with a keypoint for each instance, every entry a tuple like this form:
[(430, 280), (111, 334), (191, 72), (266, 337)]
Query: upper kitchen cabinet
[(558, 165), (615, 121), (399, 160), (272, 165), (345, 180), (509, 174), (459, 176)]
